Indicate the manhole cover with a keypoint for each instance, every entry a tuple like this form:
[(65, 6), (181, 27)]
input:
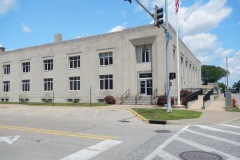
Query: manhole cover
[(199, 155), (162, 131)]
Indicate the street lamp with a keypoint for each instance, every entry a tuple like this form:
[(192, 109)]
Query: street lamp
[(227, 66)]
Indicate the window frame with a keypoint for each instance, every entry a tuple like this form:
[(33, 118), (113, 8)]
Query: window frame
[(106, 82), (6, 86), (74, 62), (145, 56), (26, 67), (47, 84), (6, 69), (48, 64), (105, 58), (74, 82), (25, 85)]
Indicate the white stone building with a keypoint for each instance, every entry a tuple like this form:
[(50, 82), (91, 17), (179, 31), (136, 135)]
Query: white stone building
[(110, 64)]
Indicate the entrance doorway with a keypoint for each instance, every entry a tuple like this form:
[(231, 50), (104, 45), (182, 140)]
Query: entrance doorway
[(145, 81)]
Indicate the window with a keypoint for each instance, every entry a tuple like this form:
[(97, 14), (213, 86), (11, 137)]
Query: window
[(48, 84), (74, 62), (106, 82), (25, 85), (105, 59), (26, 67), (48, 64), (6, 86), (74, 83), (6, 69), (145, 55)]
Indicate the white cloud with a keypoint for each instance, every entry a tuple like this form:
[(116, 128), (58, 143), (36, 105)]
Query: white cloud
[(223, 53), (118, 28), (6, 5), (200, 43), (25, 28), (202, 18)]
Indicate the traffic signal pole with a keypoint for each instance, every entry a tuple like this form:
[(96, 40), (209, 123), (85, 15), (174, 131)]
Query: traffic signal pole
[(157, 23)]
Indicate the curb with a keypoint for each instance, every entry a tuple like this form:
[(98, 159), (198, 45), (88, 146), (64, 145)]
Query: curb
[(148, 120)]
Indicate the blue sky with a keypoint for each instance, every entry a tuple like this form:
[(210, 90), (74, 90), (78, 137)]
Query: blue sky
[(210, 28)]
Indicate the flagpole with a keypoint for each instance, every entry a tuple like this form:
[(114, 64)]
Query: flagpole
[(178, 56)]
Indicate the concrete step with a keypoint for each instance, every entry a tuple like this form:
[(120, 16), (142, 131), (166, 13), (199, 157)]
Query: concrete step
[(131, 101)]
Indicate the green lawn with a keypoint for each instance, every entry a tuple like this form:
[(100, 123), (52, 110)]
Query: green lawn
[(161, 114)]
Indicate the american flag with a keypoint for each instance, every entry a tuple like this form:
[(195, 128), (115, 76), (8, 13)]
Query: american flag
[(177, 5)]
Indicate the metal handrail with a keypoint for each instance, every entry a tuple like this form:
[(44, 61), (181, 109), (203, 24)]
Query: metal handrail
[(207, 96), (125, 95), (194, 95), (138, 96), (153, 96)]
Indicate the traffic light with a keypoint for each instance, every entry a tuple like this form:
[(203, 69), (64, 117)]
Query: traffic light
[(172, 76), (158, 16), (130, 1)]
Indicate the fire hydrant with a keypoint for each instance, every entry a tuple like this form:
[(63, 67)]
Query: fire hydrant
[(234, 102)]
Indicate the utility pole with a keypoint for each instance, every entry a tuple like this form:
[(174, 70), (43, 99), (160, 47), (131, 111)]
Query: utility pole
[(157, 16)]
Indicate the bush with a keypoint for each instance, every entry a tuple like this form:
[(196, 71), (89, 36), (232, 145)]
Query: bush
[(110, 99), (183, 95), (163, 100)]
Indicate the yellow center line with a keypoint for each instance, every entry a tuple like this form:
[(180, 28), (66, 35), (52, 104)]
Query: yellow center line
[(54, 132)]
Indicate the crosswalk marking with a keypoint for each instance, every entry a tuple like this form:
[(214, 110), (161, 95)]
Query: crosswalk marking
[(160, 148), (206, 148), (92, 151), (165, 155), (214, 137), (215, 129), (229, 126)]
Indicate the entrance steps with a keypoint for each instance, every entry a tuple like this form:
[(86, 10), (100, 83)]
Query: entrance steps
[(198, 104), (131, 101)]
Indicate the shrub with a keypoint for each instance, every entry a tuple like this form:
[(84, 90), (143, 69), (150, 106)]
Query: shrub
[(76, 101), (110, 99), (183, 95), (163, 100)]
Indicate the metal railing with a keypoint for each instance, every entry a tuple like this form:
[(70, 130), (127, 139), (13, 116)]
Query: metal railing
[(138, 96), (194, 95), (153, 96), (125, 96), (207, 96)]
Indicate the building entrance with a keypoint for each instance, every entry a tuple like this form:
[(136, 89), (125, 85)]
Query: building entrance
[(145, 81)]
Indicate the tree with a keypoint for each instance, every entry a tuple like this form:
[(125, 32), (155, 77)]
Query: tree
[(212, 73), (236, 84), (222, 86)]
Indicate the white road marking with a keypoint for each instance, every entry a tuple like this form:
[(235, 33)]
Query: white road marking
[(92, 151), (230, 126), (63, 113), (163, 145), (165, 155), (218, 130), (95, 114), (214, 137), (206, 148), (38, 111), (13, 111), (9, 139)]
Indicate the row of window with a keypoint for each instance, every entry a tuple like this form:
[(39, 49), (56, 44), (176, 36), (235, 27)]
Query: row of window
[(106, 83), (74, 62)]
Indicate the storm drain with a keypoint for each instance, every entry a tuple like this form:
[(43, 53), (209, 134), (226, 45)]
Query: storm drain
[(199, 155), (162, 131)]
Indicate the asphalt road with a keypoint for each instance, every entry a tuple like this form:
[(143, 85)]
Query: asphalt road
[(72, 133)]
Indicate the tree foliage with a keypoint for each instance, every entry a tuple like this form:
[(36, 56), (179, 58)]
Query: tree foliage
[(222, 86), (236, 84), (212, 73)]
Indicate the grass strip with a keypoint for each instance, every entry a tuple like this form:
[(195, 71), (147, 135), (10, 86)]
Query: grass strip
[(162, 114)]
